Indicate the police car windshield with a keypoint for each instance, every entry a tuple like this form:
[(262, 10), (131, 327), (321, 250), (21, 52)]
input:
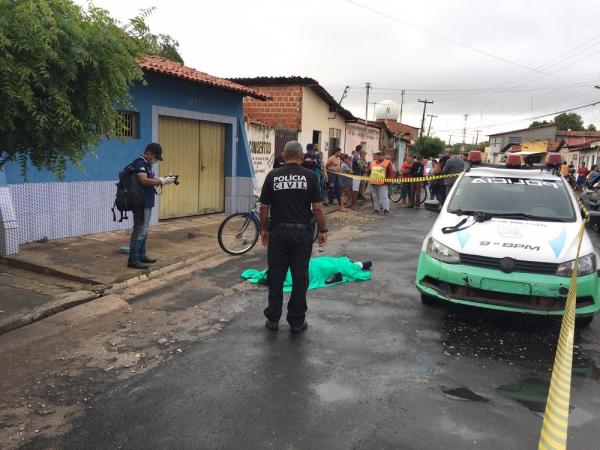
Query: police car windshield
[(517, 198)]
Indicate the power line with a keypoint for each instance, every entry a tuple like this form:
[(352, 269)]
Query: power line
[(453, 41), (539, 116)]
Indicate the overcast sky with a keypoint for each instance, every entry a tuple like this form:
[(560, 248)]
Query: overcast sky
[(395, 47)]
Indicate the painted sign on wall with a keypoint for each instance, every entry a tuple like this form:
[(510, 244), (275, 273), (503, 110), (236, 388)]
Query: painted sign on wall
[(261, 140)]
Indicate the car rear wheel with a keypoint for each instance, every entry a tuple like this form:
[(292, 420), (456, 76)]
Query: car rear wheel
[(583, 321), (427, 299)]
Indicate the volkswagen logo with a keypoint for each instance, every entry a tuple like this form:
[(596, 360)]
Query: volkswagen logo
[(507, 265)]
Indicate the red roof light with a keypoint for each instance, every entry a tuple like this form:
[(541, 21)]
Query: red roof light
[(474, 157), (553, 160), (513, 160)]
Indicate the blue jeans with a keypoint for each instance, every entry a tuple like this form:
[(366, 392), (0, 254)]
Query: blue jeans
[(139, 235), (335, 192)]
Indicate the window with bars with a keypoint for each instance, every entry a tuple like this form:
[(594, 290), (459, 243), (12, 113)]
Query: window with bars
[(128, 124)]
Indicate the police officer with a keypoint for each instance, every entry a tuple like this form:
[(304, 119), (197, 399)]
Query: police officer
[(287, 194), (142, 166)]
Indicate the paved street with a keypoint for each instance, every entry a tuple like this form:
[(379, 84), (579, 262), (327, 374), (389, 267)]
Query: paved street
[(375, 369)]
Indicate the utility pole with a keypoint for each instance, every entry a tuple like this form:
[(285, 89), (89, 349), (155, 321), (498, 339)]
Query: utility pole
[(368, 87), (431, 116), (401, 105), (477, 136), (449, 140), (465, 132), (425, 103)]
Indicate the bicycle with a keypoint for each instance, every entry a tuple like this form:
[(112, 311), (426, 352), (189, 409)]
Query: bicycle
[(239, 232), (396, 190)]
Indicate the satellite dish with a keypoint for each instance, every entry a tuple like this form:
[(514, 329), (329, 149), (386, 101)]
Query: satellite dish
[(387, 109)]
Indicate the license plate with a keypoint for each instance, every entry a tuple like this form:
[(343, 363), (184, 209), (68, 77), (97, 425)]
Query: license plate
[(511, 287)]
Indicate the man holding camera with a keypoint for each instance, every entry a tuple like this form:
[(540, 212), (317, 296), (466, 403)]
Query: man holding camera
[(142, 166), (288, 194)]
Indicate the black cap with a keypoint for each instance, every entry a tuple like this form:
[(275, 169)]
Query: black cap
[(155, 149)]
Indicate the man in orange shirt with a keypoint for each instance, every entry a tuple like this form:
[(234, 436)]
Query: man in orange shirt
[(379, 170)]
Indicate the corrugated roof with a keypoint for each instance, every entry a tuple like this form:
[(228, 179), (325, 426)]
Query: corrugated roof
[(524, 129), (164, 66), (334, 106)]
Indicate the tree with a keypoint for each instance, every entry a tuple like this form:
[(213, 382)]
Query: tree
[(429, 147), (569, 121), (591, 127), (63, 73), (537, 123), (481, 146)]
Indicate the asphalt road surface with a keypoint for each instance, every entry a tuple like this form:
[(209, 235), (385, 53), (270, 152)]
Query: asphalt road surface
[(376, 369)]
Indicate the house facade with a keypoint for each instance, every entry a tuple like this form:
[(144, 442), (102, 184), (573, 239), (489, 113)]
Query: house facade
[(358, 134), (500, 143), (198, 120), (299, 109)]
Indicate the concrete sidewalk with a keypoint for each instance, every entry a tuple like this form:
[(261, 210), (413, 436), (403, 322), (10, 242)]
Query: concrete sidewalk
[(96, 259)]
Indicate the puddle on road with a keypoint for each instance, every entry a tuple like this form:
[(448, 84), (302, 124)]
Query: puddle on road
[(531, 392), (516, 340), (333, 392), (463, 393)]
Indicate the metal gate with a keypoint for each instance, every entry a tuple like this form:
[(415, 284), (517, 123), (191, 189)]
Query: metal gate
[(282, 137), (195, 151)]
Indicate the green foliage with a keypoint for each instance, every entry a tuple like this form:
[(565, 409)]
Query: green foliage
[(537, 123), (63, 71), (591, 127), (429, 147), (569, 121)]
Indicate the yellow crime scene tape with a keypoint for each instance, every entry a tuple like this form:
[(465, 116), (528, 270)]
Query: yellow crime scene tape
[(556, 415), (395, 180)]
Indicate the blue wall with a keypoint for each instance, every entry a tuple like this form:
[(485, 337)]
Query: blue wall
[(112, 155)]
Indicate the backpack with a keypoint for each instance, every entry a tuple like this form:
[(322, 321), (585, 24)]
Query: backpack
[(130, 194)]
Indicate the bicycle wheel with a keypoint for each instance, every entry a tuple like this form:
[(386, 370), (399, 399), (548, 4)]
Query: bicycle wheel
[(238, 233), (395, 192)]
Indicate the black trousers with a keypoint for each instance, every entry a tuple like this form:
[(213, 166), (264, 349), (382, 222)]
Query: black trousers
[(288, 249)]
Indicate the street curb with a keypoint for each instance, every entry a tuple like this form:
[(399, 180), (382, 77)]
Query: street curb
[(59, 304), (70, 300), (150, 274), (38, 268)]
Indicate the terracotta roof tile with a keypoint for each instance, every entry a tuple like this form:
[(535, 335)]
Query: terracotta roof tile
[(164, 66)]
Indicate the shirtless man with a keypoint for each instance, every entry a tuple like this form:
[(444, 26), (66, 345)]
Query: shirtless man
[(334, 166)]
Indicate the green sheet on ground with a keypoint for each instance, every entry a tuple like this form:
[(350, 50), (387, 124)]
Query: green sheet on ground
[(319, 270)]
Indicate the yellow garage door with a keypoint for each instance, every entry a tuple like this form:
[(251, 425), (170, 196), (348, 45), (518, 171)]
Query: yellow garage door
[(195, 151)]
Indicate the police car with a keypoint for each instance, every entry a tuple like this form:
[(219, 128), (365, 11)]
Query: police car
[(506, 239)]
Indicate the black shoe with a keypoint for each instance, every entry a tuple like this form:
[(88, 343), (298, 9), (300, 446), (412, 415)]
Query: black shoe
[(335, 278), (386, 212), (302, 327), (136, 265), (366, 265), (147, 260), (272, 326)]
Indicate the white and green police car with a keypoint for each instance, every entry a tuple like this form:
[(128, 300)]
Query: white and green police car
[(506, 239)]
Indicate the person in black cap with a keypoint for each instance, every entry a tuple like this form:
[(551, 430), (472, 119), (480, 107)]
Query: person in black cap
[(142, 166), (287, 195)]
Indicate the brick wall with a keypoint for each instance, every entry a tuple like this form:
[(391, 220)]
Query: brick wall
[(284, 111)]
